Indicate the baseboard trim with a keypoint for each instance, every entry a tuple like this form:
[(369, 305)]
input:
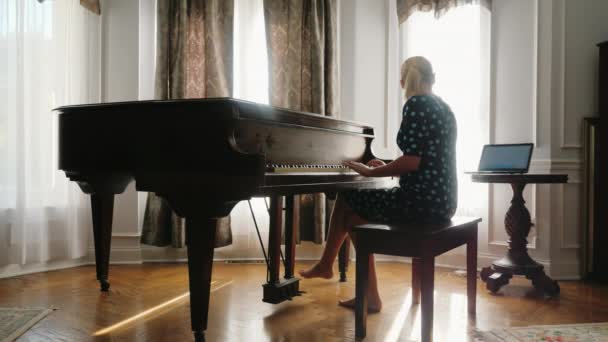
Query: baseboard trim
[(151, 254), (125, 249), (566, 271), (15, 270), (125, 253)]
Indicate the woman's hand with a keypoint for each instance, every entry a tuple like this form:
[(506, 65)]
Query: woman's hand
[(360, 168), (377, 168), (375, 163)]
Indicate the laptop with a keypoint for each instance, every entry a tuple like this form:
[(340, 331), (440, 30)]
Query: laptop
[(505, 158)]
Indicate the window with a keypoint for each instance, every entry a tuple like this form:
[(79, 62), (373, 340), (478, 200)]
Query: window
[(456, 44), (250, 72), (250, 53), (49, 58)]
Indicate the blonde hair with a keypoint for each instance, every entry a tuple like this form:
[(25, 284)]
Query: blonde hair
[(416, 74)]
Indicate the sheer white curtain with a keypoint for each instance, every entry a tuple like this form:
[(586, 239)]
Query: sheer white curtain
[(49, 57), (457, 46), (250, 83), (250, 53)]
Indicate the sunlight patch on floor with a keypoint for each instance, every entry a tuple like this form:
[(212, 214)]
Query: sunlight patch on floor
[(170, 304), (397, 325)]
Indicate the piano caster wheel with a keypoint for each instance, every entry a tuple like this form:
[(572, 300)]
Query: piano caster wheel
[(199, 336), (105, 285)]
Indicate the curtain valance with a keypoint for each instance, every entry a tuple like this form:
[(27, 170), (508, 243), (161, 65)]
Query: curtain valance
[(91, 5), (405, 8)]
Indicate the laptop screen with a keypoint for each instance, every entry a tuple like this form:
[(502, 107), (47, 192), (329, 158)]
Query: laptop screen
[(506, 158)]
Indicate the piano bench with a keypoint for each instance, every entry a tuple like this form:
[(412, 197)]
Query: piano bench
[(422, 242)]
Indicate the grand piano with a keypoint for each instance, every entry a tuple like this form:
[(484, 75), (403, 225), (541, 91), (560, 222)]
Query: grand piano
[(204, 156)]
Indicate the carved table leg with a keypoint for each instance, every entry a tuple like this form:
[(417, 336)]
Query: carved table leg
[(102, 207), (517, 261)]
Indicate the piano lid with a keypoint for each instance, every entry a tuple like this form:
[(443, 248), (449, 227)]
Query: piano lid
[(221, 107)]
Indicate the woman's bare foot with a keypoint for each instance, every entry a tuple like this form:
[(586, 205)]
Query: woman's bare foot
[(374, 305), (317, 271)]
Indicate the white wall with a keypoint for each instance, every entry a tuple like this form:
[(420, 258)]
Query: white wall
[(147, 65), (512, 105), (364, 52)]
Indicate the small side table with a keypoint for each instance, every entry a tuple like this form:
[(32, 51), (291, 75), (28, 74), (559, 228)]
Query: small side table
[(518, 224)]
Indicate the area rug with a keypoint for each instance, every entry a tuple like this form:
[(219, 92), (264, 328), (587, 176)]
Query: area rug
[(15, 321), (592, 332)]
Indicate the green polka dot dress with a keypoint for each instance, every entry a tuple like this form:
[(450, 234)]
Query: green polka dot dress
[(428, 130)]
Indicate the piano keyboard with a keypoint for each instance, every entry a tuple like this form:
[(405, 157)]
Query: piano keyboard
[(298, 168)]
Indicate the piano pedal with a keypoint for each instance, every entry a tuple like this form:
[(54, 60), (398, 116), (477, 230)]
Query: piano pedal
[(276, 293)]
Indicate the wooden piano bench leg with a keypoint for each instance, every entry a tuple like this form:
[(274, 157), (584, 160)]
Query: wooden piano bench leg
[(415, 280), (361, 284), (427, 284), (472, 274)]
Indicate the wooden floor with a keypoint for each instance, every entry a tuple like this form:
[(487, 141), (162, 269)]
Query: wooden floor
[(158, 294)]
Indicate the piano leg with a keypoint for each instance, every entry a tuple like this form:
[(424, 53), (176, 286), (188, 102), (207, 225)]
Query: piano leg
[(276, 291), (200, 235), (344, 258), (200, 214), (274, 238), (102, 207), (290, 238), (102, 188), (344, 254)]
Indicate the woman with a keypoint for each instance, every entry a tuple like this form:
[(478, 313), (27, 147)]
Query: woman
[(427, 169)]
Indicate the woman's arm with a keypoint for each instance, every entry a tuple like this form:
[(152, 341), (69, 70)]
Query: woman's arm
[(397, 167)]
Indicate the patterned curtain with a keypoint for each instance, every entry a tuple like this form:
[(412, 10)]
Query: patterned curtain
[(405, 8), (303, 67), (193, 60)]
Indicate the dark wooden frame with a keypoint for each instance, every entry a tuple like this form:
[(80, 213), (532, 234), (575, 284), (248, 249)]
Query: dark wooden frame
[(591, 198), (600, 237)]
